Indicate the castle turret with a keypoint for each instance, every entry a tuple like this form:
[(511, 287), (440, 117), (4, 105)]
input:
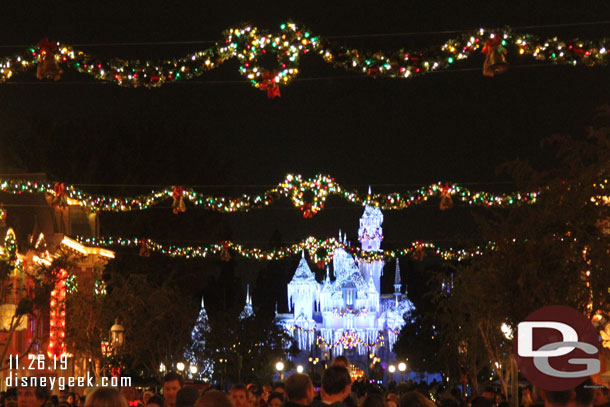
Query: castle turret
[(248, 311), (303, 291), (397, 283), (370, 234)]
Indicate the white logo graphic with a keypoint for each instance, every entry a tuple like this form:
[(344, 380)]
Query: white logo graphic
[(568, 343)]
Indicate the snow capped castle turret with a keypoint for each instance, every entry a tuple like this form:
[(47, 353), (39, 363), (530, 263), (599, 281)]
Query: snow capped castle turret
[(303, 291)]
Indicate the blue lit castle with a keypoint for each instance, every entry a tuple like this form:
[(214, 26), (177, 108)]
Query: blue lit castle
[(348, 314)]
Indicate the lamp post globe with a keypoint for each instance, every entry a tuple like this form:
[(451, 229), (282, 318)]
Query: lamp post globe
[(117, 335)]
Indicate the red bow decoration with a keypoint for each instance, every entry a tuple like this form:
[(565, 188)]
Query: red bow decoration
[(61, 198), (418, 253), (225, 255), (495, 57), (270, 85), (178, 196), (144, 250), (307, 211), (59, 188), (47, 65), (446, 200)]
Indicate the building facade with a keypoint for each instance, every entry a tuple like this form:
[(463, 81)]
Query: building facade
[(347, 313)]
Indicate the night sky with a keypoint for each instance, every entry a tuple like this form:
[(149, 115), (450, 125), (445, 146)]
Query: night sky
[(220, 134)]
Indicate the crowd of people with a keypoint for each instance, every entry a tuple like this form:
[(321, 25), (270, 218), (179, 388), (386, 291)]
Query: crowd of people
[(336, 390)]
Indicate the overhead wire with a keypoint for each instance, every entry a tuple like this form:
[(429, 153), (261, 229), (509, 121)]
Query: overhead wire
[(338, 36)]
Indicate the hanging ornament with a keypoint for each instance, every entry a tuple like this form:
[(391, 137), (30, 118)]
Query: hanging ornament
[(307, 211), (178, 196), (270, 85), (225, 255), (47, 64), (144, 250), (495, 57), (419, 253), (446, 200), (60, 198)]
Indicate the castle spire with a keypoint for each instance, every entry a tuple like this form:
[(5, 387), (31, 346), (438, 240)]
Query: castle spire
[(397, 273), (397, 284), (247, 312)]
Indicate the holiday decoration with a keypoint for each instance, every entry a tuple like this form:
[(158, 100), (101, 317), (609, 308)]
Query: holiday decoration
[(419, 253), (224, 252), (269, 84), (144, 250), (100, 287), (495, 59), (57, 332), (349, 312), (47, 64), (60, 198), (250, 44), (71, 284), (307, 211), (311, 245), (446, 201), (178, 197), (294, 187)]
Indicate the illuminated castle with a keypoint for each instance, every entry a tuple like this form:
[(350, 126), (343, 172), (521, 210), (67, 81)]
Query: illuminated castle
[(349, 312)]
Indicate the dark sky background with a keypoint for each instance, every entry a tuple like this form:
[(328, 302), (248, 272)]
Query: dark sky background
[(222, 135)]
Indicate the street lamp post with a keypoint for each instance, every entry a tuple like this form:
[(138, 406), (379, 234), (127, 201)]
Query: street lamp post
[(402, 366), (193, 370), (279, 366), (117, 340), (117, 335)]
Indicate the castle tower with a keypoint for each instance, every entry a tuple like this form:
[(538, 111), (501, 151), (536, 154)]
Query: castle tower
[(248, 311), (303, 291), (370, 234), (397, 284)]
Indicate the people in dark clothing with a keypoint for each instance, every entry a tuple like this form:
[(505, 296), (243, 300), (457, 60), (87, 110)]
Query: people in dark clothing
[(299, 391), (336, 387)]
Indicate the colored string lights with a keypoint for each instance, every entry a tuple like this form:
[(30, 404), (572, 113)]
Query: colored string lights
[(293, 187), (249, 44), (321, 250), (349, 340)]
